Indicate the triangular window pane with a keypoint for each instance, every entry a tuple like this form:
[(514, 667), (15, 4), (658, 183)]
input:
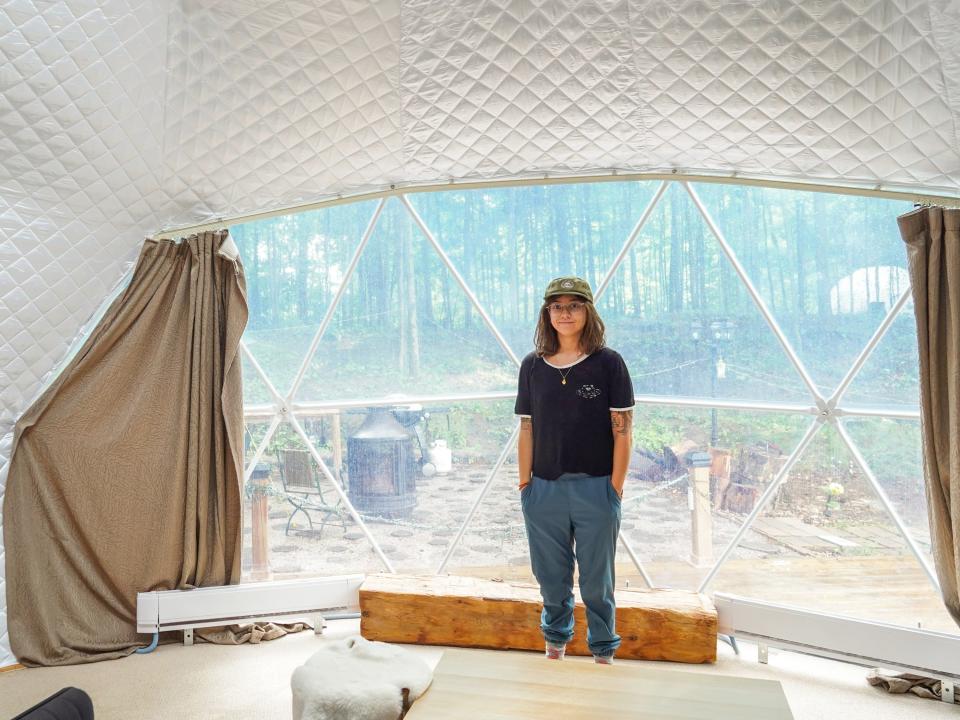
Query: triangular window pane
[(828, 267), (508, 243), (293, 266), (404, 327), (826, 543), (683, 320)]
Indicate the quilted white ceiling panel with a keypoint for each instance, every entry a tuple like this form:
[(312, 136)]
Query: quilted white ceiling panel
[(851, 90), (277, 103), (504, 88), (81, 124)]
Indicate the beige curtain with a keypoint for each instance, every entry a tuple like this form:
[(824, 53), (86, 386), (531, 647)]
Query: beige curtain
[(125, 474), (932, 236)]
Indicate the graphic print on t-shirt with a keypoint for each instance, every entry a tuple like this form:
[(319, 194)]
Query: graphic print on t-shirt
[(588, 392)]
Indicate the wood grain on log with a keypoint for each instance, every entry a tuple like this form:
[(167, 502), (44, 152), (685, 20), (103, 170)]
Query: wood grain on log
[(661, 624)]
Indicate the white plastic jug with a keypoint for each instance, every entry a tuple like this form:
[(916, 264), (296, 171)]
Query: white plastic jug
[(441, 456)]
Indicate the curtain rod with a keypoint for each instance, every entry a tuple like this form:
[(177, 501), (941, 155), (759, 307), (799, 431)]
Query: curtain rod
[(395, 189)]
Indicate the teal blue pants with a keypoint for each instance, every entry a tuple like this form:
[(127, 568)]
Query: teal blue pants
[(575, 518)]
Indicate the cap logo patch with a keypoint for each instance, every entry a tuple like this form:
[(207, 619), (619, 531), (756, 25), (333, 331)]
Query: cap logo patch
[(566, 284)]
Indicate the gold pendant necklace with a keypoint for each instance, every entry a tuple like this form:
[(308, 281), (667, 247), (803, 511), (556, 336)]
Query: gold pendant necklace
[(563, 375)]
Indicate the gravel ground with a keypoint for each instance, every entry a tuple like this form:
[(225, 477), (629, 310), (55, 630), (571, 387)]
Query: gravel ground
[(656, 523)]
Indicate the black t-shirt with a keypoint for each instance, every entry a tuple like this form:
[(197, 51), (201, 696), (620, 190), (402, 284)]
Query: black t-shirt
[(571, 423)]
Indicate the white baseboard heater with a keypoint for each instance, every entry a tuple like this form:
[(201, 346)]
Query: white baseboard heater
[(860, 642), (162, 610)]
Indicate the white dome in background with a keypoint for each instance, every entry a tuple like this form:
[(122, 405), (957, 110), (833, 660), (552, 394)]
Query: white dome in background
[(877, 287)]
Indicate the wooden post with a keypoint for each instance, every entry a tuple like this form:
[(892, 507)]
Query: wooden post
[(701, 521), (719, 475), (260, 522), (337, 447)]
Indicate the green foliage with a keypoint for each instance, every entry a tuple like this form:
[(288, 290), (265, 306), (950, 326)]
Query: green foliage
[(480, 428), (654, 429), (258, 488)]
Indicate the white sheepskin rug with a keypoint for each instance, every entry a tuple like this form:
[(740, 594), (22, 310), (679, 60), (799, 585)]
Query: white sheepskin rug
[(356, 679)]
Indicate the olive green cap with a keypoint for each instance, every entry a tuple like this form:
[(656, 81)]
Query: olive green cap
[(569, 286)]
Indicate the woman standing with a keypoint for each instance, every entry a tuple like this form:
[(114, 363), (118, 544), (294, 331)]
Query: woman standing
[(575, 402)]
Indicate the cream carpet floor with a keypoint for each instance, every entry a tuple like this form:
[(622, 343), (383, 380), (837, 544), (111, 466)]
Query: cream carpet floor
[(253, 681)]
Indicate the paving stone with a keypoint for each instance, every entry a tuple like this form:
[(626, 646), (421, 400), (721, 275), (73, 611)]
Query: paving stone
[(337, 548), (284, 548), (353, 535), (401, 532), (438, 541)]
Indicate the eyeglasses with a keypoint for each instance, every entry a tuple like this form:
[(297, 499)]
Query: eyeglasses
[(560, 308)]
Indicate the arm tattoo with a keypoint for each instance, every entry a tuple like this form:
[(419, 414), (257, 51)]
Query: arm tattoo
[(526, 424), (622, 421)]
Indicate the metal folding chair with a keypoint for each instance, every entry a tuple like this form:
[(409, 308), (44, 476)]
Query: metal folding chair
[(303, 490)]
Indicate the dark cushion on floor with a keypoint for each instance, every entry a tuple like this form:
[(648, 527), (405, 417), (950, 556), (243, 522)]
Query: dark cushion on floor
[(67, 704)]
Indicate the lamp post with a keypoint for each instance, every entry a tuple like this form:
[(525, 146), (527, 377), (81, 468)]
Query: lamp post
[(720, 331)]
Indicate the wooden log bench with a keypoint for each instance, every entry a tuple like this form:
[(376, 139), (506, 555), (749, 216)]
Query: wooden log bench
[(661, 624)]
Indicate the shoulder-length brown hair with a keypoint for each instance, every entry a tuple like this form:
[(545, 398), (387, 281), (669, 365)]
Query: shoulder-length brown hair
[(546, 341)]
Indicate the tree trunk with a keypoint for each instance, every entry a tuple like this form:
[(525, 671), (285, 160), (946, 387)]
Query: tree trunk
[(675, 287), (634, 282), (822, 262), (414, 328)]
